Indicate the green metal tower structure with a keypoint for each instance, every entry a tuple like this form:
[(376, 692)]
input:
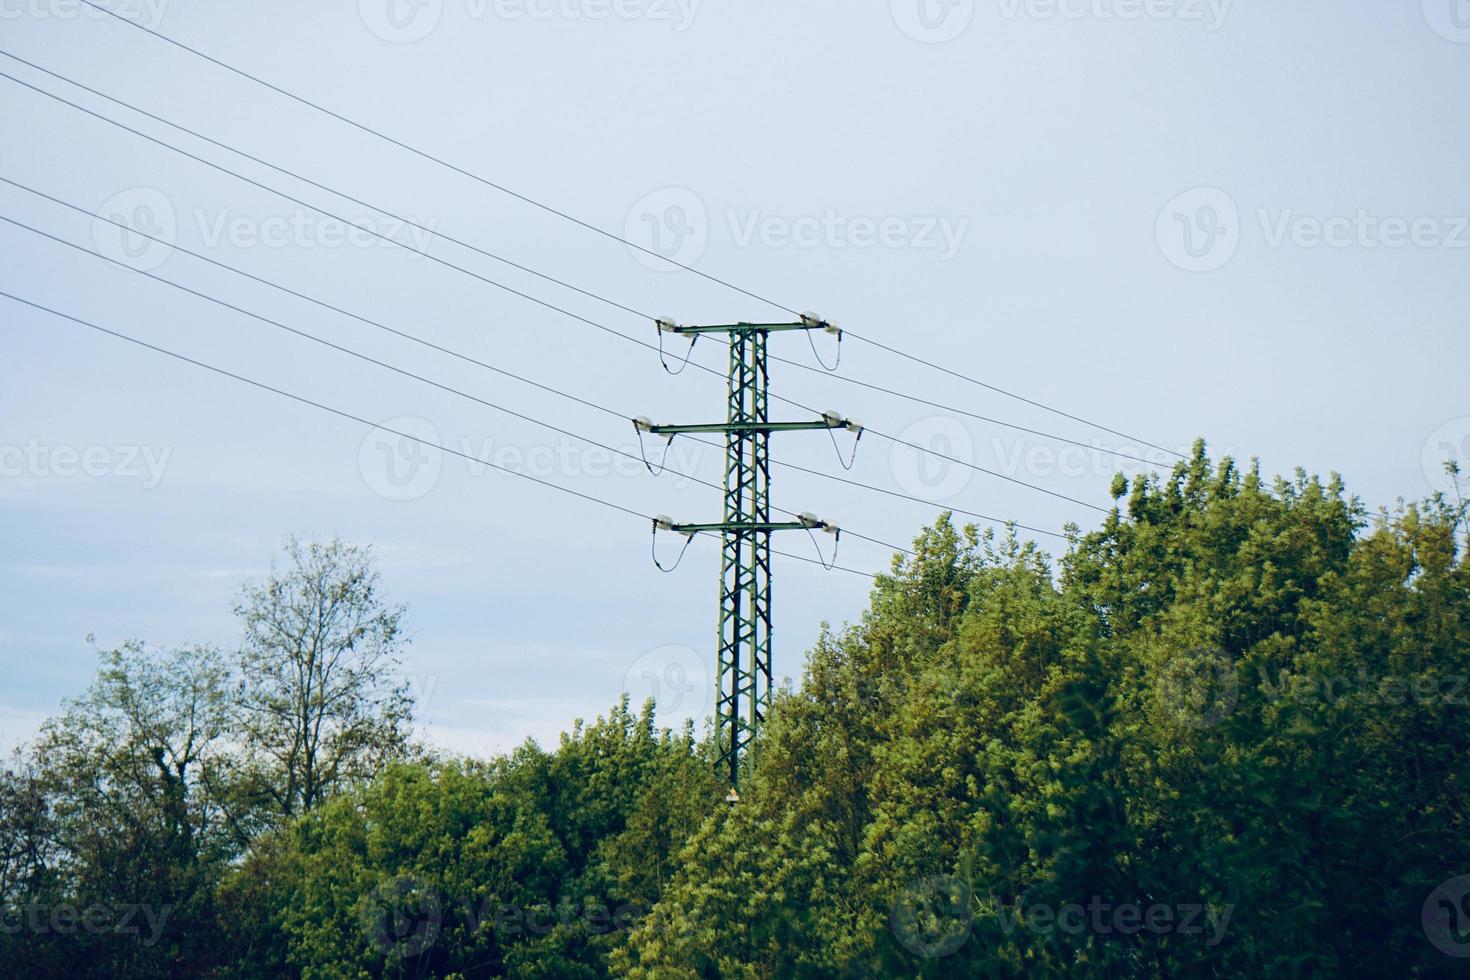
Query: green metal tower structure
[(743, 661)]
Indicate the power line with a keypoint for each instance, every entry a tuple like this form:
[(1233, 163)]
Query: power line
[(535, 272), (362, 127), (397, 370), (127, 230), (919, 500), (498, 370), (408, 222), (430, 157), (529, 297), (373, 425), (1010, 394), (336, 217), (973, 415)]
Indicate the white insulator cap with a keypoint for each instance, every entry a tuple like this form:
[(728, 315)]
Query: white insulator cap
[(817, 323)]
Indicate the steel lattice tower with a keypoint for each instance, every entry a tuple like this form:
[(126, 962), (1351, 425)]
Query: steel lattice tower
[(743, 658)]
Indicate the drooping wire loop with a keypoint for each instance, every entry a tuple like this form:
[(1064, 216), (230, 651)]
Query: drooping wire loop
[(852, 457), (817, 323), (835, 421), (813, 524), (669, 326), (664, 524), (642, 425)]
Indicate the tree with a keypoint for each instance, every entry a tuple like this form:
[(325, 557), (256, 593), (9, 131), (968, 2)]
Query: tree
[(320, 704), (113, 824), (1227, 734), (531, 865)]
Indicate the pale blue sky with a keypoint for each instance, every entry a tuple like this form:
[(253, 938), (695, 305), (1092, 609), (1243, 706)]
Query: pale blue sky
[(1246, 222)]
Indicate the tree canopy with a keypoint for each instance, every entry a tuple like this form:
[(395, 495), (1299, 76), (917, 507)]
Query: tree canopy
[(1226, 733)]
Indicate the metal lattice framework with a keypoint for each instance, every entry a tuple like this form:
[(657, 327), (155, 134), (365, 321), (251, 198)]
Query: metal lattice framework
[(743, 659)]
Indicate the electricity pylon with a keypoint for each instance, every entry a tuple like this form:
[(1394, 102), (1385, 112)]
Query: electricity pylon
[(743, 684)]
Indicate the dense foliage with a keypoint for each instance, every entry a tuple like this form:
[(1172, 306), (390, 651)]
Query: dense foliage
[(1225, 734)]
